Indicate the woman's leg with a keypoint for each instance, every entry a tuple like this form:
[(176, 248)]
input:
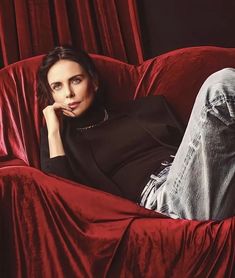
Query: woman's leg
[(201, 182)]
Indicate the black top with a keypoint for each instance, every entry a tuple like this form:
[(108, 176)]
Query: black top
[(119, 154)]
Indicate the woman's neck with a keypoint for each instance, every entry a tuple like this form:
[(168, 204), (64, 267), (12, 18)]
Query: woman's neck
[(92, 116)]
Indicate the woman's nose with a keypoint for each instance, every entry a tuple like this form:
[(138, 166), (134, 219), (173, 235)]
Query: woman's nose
[(69, 92)]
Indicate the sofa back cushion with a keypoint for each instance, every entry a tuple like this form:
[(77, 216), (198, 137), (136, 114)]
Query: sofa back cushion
[(178, 75)]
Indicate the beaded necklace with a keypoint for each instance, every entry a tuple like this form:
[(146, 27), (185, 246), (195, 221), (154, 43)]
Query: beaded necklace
[(106, 116)]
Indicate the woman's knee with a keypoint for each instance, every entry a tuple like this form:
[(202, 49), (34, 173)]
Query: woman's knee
[(219, 85), (217, 97)]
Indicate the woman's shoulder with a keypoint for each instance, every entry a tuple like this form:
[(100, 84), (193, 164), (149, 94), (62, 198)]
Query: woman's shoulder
[(148, 104), (150, 110)]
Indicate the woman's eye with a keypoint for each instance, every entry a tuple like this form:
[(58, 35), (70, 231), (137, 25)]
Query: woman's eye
[(56, 87), (76, 81)]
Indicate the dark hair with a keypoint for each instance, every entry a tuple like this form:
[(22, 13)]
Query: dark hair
[(44, 91)]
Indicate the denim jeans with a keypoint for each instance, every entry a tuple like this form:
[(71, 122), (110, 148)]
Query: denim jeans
[(201, 180)]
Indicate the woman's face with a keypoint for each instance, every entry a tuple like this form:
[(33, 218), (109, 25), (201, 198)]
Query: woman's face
[(71, 85)]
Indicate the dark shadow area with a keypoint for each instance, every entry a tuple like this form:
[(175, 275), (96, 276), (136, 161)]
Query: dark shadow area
[(171, 24)]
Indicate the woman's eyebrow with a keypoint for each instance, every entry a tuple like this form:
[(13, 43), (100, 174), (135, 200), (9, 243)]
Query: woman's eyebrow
[(55, 82), (77, 75)]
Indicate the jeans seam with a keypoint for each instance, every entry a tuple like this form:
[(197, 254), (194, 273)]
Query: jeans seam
[(188, 157), (192, 147)]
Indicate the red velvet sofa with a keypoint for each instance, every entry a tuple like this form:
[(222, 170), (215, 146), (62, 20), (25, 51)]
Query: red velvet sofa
[(52, 227)]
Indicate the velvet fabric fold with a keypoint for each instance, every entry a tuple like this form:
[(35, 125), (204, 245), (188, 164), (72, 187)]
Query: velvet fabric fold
[(48, 225), (54, 228)]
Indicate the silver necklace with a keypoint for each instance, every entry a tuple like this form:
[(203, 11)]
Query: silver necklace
[(106, 116)]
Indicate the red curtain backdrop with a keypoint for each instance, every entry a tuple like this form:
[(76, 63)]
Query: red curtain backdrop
[(31, 27)]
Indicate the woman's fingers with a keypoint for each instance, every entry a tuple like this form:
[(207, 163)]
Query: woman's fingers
[(63, 106), (68, 113), (66, 107), (59, 107)]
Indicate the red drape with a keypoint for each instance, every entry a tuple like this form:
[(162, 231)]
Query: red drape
[(30, 27)]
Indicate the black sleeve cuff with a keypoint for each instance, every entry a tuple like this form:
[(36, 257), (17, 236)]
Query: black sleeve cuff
[(59, 166)]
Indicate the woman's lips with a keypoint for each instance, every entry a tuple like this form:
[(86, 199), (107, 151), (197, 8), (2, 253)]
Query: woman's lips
[(73, 105)]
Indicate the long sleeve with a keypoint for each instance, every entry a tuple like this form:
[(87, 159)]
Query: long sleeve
[(58, 165)]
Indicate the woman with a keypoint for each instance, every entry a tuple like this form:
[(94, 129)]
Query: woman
[(128, 150)]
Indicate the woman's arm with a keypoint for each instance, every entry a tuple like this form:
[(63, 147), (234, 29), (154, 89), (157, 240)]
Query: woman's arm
[(53, 127), (52, 154)]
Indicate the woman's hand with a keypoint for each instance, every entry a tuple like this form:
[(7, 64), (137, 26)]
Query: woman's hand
[(52, 114)]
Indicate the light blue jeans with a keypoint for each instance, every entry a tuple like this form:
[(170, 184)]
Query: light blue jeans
[(201, 180)]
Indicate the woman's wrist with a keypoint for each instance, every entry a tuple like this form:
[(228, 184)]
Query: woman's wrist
[(53, 133), (55, 144)]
